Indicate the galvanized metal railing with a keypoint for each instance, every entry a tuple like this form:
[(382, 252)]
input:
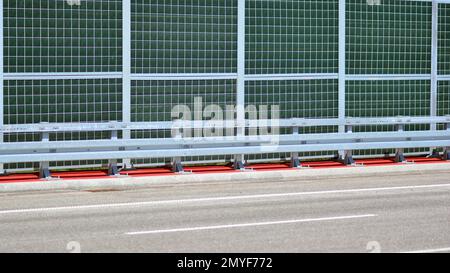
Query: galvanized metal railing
[(114, 149)]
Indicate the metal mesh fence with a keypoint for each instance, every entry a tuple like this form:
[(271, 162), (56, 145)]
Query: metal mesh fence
[(291, 37), (297, 98), (155, 100), (173, 36), (391, 38), (388, 98), (53, 36), (54, 101), (283, 38)]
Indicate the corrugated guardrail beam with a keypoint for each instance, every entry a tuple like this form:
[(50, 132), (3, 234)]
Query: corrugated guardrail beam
[(233, 140), (213, 151)]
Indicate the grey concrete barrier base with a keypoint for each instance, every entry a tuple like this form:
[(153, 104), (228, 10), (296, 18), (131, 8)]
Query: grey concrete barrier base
[(124, 183)]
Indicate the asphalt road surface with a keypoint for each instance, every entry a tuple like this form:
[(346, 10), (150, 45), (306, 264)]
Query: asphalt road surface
[(386, 213)]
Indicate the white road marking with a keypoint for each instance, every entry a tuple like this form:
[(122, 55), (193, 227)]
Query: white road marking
[(214, 199), (437, 250), (251, 224)]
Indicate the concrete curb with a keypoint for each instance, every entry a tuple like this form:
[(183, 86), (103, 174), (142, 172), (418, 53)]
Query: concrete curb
[(123, 183)]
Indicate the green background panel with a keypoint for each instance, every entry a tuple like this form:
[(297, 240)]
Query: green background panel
[(391, 38), (52, 36), (35, 101), (291, 36), (190, 36), (296, 98), (154, 100), (388, 98)]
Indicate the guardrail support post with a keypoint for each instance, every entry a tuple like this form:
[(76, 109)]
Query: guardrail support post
[(44, 170), (239, 162), (347, 157), (176, 163), (113, 170), (399, 152), (44, 167), (177, 166), (295, 160)]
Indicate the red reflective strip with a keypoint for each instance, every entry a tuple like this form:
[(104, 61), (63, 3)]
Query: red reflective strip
[(324, 164), (368, 162), (425, 160), (84, 175), (209, 169), (269, 166), (147, 172), (73, 174)]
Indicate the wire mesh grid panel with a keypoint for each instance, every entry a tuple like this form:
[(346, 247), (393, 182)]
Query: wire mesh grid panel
[(444, 98), (291, 36), (155, 100), (54, 36), (391, 38), (388, 98), (36, 101), (296, 98), (184, 36), (444, 39)]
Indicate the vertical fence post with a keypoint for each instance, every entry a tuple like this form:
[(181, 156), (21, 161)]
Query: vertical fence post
[(176, 164), (342, 66), (434, 61), (434, 68), (240, 83), (348, 155), (2, 169), (126, 72)]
